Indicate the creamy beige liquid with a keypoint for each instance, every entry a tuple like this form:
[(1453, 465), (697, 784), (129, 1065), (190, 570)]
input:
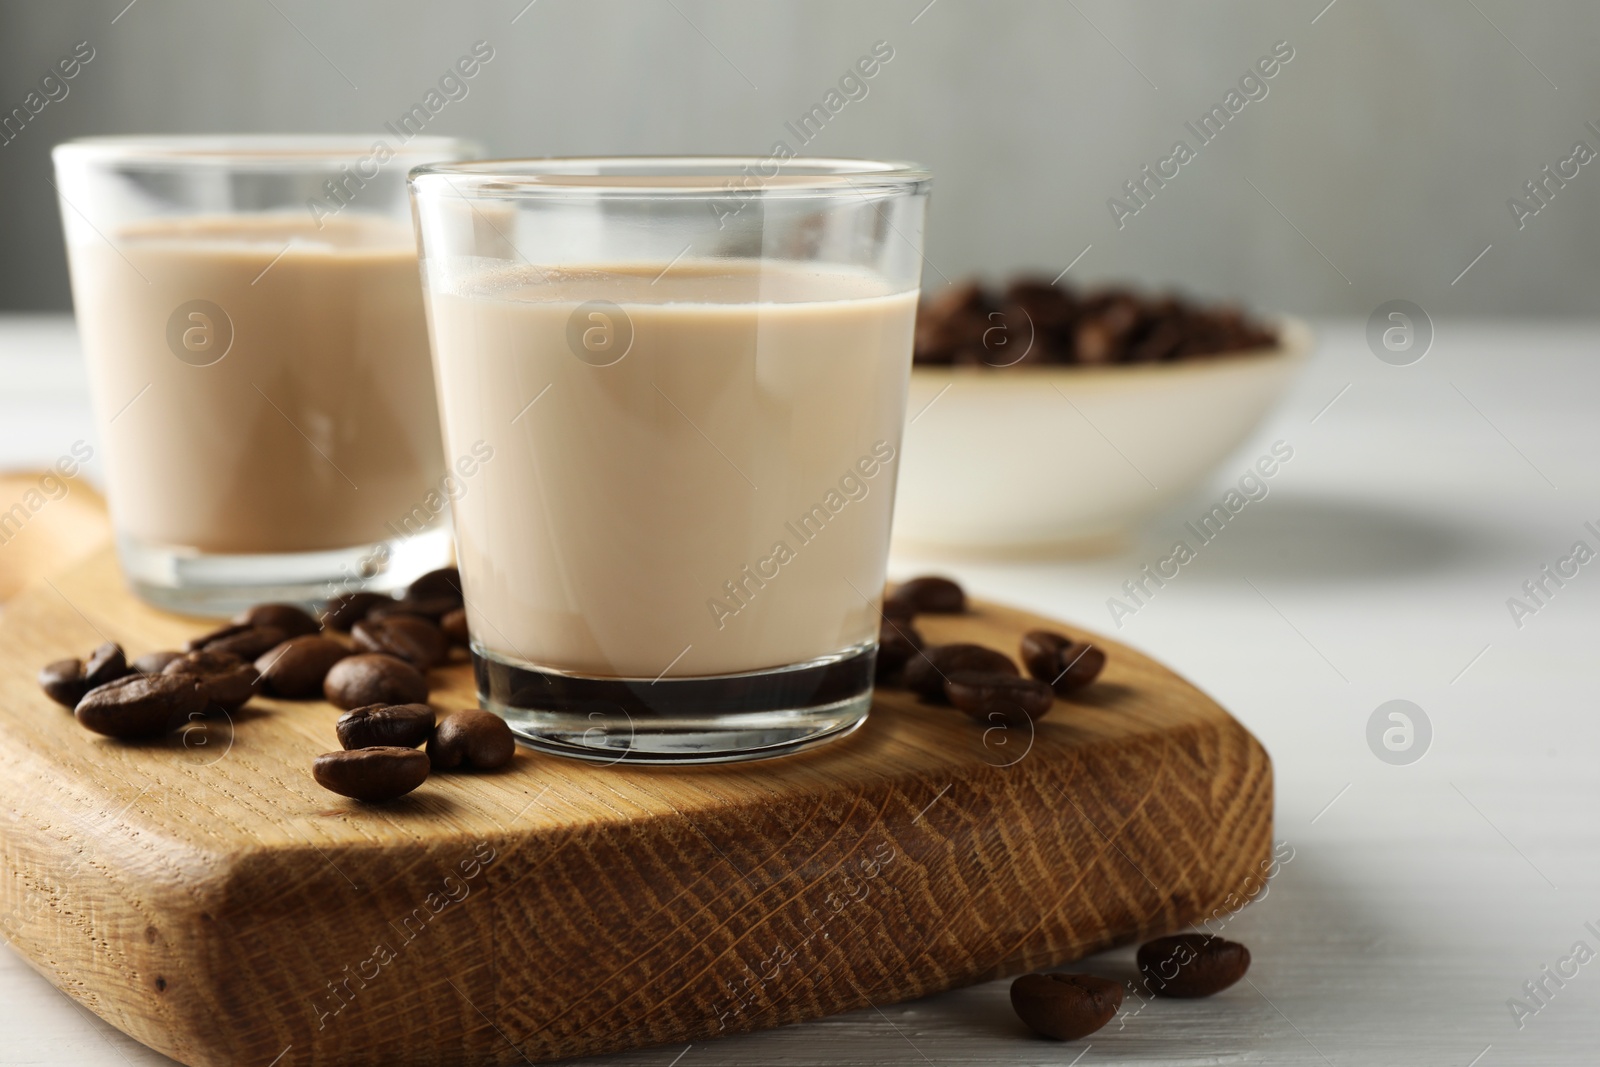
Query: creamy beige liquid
[(317, 430), (753, 423)]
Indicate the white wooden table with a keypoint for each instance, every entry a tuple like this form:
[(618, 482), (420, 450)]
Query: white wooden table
[(1421, 897)]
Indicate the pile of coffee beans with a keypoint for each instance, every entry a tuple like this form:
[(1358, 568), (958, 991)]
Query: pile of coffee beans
[(981, 681), (1032, 321), (1069, 1006), (379, 675)]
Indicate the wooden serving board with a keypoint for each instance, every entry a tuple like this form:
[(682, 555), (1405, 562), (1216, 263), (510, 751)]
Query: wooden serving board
[(205, 896)]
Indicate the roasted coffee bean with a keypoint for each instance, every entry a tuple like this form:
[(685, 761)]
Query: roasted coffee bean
[(927, 670), (105, 664), (1191, 965), (454, 625), (154, 662), (62, 681), (985, 694), (471, 739), (930, 595), (444, 582), (224, 679), (296, 669), (1053, 658), (246, 642), (1065, 1006), (291, 619), (195, 644), (417, 641), (385, 726), (141, 706), (347, 609), (431, 608), (898, 641), (67, 680), (371, 774), (373, 678), (1041, 653)]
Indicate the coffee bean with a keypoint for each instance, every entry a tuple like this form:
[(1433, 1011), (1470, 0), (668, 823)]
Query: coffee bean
[(105, 664), (154, 662), (898, 641), (373, 678), (987, 694), (67, 680), (385, 726), (62, 681), (430, 608), (444, 582), (246, 642), (930, 595), (224, 679), (454, 625), (1065, 1006), (295, 669), (927, 670), (417, 641), (347, 609), (1191, 965), (1041, 653), (291, 619), (1053, 658), (472, 739), (371, 774), (141, 706)]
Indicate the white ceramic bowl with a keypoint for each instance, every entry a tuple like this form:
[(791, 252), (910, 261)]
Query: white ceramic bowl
[(1043, 460)]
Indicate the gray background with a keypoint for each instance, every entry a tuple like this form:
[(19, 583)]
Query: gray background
[(1381, 160)]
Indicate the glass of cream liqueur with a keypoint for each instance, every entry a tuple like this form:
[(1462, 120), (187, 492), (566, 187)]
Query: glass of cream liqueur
[(252, 317), (692, 373)]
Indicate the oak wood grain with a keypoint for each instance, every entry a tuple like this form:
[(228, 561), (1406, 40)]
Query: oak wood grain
[(205, 896)]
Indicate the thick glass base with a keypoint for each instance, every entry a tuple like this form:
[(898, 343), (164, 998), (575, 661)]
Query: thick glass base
[(680, 720), (198, 583)]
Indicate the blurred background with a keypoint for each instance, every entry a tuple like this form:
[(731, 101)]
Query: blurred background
[(1377, 166)]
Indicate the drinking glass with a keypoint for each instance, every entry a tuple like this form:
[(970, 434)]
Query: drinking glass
[(692, 374), (257, 348)]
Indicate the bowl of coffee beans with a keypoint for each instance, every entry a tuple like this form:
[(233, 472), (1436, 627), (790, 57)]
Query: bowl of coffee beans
[(1044, 419)]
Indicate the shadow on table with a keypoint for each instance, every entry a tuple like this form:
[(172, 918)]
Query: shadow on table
[(1323, 539)]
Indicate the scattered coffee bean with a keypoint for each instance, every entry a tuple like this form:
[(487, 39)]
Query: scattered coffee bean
[(432, 608), (105, 664), (930, 595), (224, 679), (927, 670), (985, 694), (1191, 965), (347, 609), (415, 640), (62, 681), (454, 625), (1053, 658), (154, 662), (138, 706), (444, 582), (473, 739), (385, 726), (373, 678), (1065, 1006), (898, 641), (371, 774), (246, 642), (295, 669), (292, 620), (67, 680)]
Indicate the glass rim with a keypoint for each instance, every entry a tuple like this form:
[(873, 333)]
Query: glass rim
[(671, 177), (287, 150)]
